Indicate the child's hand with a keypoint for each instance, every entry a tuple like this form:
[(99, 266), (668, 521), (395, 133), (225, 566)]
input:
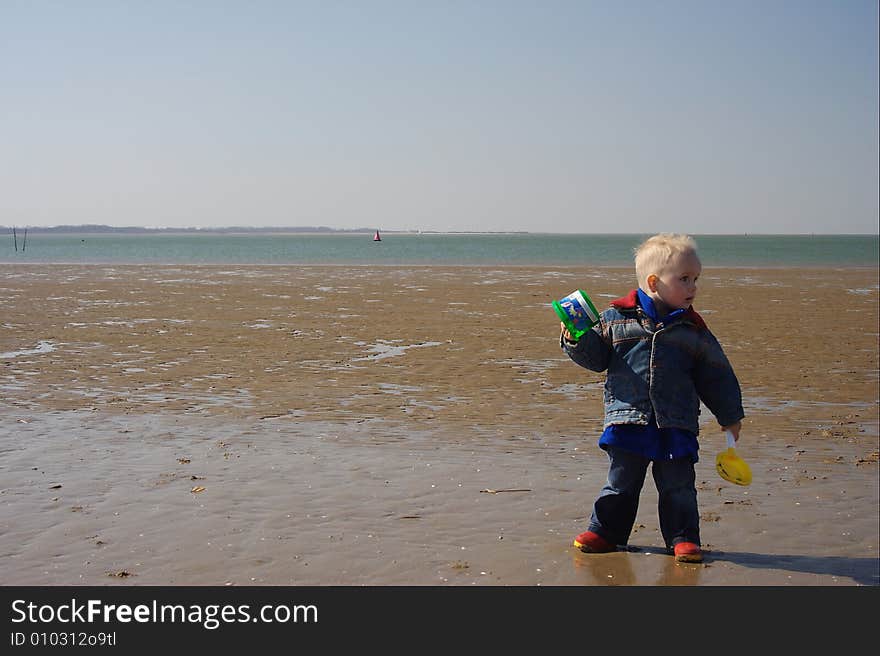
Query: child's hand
[(734, 429), (565, 334)]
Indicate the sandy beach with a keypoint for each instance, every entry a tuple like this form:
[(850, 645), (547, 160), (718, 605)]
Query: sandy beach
[(331, 425)]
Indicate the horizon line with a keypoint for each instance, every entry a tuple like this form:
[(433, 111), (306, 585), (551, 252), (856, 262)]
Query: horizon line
[(97, 228)]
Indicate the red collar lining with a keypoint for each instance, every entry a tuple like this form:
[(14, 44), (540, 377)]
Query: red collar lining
[(631, 302)]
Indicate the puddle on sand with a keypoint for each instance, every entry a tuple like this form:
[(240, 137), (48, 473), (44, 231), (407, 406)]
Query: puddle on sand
[(44, 346), (384, 350)]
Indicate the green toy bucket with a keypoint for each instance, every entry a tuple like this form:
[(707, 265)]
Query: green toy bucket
[(577, 312)]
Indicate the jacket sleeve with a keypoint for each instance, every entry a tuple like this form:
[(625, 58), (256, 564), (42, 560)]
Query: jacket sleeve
[(593, 350), (716, 382)]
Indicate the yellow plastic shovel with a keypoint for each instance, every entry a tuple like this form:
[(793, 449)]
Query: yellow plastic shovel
[(730, 466)]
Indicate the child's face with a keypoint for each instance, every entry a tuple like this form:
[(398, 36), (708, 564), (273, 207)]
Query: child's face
[(676, 287)]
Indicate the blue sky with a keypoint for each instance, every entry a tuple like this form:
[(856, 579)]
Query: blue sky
[(555, 116)]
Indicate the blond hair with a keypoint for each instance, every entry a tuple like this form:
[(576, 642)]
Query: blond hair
[(655, 253)]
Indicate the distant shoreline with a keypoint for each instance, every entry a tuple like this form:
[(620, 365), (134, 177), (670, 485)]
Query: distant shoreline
[(97, 229), (315, 230)]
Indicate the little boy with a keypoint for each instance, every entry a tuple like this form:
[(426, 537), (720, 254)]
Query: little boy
[(661, 360)]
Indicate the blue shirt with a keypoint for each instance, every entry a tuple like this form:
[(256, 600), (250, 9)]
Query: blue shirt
[(650, 441)]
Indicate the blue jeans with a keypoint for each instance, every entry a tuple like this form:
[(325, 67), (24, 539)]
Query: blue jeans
[(614, 512)]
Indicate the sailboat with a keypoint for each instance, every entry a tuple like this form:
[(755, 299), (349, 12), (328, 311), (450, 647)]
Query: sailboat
[(376, 237)]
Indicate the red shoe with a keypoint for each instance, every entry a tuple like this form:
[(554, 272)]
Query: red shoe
[(688, 552), (590, 542)]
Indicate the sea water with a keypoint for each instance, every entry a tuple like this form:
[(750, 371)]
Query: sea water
[(425, 249)]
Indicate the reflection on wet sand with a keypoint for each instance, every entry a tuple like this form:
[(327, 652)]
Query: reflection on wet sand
[(629, 567)]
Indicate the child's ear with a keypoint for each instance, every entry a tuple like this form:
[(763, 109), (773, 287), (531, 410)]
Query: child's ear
[(652, 282)]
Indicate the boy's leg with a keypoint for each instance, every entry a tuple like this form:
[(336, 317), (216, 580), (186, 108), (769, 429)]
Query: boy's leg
[(614, 512), (677, 504)]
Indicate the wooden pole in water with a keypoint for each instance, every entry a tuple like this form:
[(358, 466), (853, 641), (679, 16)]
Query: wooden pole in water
[(14, 239), (24, 243)]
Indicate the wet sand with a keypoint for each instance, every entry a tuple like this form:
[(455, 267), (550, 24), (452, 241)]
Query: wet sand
[(283, 425)]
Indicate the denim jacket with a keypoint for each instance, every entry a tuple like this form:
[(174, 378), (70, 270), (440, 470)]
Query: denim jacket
[(664, 369)]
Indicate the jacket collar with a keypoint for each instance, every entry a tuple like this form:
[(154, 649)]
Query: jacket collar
[(631, 302)]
